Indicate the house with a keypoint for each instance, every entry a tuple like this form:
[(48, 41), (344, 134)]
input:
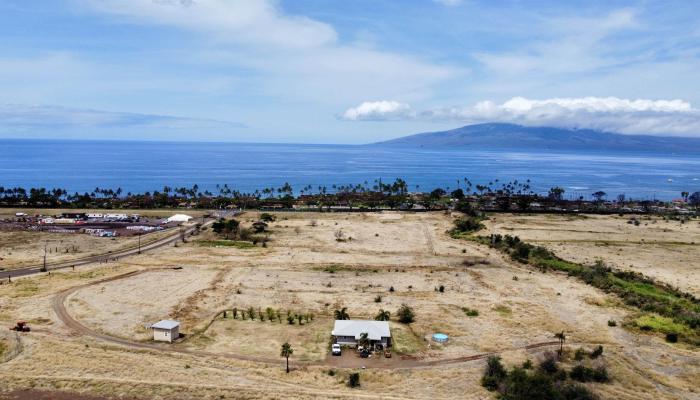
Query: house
[(166, 330), (348, 332)]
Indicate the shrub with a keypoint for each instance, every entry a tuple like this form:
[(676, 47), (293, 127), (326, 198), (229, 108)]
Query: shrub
[(267, 217), (549, 365), (441, 289), (527, 364), (378, 299), (580, 354), (468, 224), (406, 314), (354, 380), (470, 312), (391, 289), (612, 322), (597, 352), (672, 337), (495, 372)]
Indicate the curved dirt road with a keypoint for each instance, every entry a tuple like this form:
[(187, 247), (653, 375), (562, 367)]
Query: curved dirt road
[(62, 313)]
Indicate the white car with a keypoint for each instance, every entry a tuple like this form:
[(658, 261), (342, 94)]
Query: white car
[(335, 349)]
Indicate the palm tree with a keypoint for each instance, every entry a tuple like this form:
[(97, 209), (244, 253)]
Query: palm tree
[(341, 314), (287, 351), (562, 339), (382, 315)]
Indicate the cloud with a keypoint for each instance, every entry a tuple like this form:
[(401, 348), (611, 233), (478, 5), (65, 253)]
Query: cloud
[(628, 116), (19, 118), (383, 110), (287, 55), (242, 21)]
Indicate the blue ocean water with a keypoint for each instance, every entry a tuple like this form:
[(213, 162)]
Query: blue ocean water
[(146, 166)]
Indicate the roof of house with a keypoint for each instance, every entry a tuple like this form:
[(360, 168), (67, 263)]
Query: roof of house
[(165, 324), (375, 330)]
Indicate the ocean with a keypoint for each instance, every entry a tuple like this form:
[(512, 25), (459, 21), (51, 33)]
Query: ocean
[(146, 166)]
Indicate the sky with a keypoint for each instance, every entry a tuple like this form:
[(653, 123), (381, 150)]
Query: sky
[(336, 71)]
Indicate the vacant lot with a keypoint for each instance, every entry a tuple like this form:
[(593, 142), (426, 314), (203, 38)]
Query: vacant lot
[(665, 249), (318, 263)]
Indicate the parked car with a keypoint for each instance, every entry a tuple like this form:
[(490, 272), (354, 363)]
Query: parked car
[(335, 350)]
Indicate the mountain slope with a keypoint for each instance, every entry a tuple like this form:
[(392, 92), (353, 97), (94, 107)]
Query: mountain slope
[(510, 136)]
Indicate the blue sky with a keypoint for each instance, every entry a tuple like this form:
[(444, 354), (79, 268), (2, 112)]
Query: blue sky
[(322, 71)]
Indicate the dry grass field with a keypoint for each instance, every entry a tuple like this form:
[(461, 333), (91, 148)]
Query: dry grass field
[(664, 249), (305, 269)]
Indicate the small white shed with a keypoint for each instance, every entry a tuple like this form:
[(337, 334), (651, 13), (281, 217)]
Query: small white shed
[(166, 330), (179, 218)]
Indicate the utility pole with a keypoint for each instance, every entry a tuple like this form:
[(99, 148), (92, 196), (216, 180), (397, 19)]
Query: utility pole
[(43, 268)]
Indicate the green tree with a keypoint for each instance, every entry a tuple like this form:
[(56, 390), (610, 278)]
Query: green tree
[(406, 314), (287, 351), (341, 314), (562, 339), (382, 315)]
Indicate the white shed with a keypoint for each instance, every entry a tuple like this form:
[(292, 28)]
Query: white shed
[(179, 218), (166, 330)]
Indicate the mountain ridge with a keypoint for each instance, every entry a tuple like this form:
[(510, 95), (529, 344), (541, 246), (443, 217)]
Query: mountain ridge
[(503, 135)]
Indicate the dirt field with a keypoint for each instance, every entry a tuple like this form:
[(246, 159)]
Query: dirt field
[(665, 249), (305, 269)]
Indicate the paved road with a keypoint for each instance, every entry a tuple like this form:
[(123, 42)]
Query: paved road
[(165, 241), (395, 363)]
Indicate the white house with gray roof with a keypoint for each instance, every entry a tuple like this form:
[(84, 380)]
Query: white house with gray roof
[(348, 332)]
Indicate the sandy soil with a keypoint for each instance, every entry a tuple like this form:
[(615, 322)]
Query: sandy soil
[(664, 249), (305, 269)]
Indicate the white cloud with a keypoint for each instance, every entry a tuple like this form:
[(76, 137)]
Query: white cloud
[(378, 111), (242, 21), (638, 116), (291, 56), (18, 117)]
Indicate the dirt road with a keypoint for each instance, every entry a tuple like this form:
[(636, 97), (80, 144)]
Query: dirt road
[(59, 308)]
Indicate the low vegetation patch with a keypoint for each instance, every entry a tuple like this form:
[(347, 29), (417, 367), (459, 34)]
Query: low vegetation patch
[(676, 312), (226, 243), (547, 381), (470, 312)]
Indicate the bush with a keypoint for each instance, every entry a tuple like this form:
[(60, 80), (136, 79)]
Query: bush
[(470, 312), (468, 224), (585, 374), (549, 365), (441, 289), (572, 391), (597, 352), (354, 380), (580, 354), (672, 337), (494, 373), (612, 322), (405, 314), (266, 217), (378, 299)]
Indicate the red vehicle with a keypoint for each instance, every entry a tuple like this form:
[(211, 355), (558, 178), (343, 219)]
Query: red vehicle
[(21, 326)]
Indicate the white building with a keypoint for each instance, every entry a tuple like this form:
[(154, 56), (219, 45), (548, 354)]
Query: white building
[(348, 332), (166, 330), (179, 218)]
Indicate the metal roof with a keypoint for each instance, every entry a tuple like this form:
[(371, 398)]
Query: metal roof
[(165, 324), (375, 330)]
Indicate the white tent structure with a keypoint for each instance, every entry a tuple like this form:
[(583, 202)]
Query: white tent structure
[(179, 218)]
